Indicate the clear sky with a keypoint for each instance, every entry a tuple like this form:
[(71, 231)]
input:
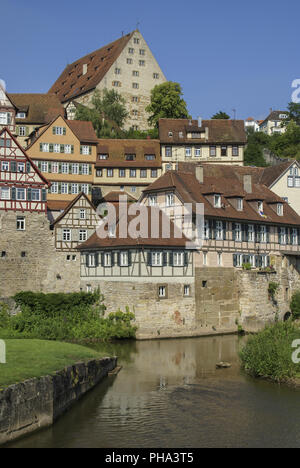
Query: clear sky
[(226, 54)]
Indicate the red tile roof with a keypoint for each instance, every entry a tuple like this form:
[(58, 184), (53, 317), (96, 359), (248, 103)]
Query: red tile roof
[(116, 149), (73, 83), (39, 108)]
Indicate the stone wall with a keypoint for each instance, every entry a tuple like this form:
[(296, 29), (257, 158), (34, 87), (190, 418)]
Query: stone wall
[(37, 403)]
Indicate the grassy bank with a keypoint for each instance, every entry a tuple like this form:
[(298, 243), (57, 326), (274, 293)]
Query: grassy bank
[(269, 353), (26, 359)]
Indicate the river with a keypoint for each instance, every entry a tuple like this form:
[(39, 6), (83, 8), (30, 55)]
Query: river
[(169, 394)]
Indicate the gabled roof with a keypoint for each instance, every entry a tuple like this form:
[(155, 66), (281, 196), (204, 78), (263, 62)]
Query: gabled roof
[(176, 238), (84, 131), (114, 197), (275, 115), (219, 131), (73, 83), (227, 181), (116, 149), (70, 206), (273, 173), (39, 108), (5, 129)]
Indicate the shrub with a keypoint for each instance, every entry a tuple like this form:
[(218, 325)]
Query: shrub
[(269, 353), (295, 305), (247, 266), (78, 316)]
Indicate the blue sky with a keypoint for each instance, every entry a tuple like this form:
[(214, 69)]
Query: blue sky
[(225, 54)]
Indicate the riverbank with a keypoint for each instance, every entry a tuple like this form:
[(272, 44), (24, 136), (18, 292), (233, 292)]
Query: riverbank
[(37, 403)]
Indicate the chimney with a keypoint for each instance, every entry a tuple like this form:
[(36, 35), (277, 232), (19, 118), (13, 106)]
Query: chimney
[(84, 69), (248, 183), (199, 122), (199, 174)]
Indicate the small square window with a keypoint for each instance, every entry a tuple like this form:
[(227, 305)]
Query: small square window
[(162, 292), (187, 290), (23, 254), (3, 254)]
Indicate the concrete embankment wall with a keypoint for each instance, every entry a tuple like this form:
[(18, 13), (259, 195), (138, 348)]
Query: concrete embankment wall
[(37, 403)]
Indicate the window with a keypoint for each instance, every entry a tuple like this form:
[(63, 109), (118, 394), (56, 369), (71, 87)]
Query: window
[(132, 173), (143, 173), (260, 207), (197, 152), (117, 71), (74, 189), (235, 151), (110, 172), (85, 188), (154, 173), (68, 149), (240, 204), (282, 236), (217, 201), (238, 232), (205, 258), (65, 168), (162, 292), (251, 233), (82, 235), (23, 254), (86, 149), (20, 223), (67, 235), (170, 199), (135, 85), (180, 134), (54, 187), (3, 254), (91, 260), (135, 73), (21, 115), (85, 169), (88, 288), (5, 118), (22, 131), (35, 194), (130, 157), (156, 258), (212, 151), (178, 259), (131, 50), (142, 63), (56, 148), (44, 166), (219, 230), (186, 290), (122, 173), (99, 173), (5, 166), (152, 200), (170, 134), (45, 147), (55, 167), (107, 257), (155, 76), (64, 188), (135, 99), (124, 259), (220, 259), (4, 193), (75, 168), (133, 189), (136, 40), (142, 51), (135, 112), (188, 152), (206, 230), (150, 157), (280, 209), (223, 150), (21, 194), (21, 167), (59, 130), (116, 84), (129, 61), (168, 151), (295, 236), (82, 214), (263, 234)]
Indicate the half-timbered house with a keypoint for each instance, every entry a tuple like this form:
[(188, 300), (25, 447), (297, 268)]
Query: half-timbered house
[(75, 225), (7, 111)]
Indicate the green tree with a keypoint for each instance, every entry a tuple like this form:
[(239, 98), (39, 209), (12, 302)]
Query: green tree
[(294, 112), (112, 105), (221, 115), (167, 102), (257, 141)]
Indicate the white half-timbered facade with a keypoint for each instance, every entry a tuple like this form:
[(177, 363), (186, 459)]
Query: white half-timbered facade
[(7, 112), (22, 186), (76, 224)]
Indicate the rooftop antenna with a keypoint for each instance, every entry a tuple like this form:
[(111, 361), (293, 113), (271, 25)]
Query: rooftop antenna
[(234, 114), (138, 26)]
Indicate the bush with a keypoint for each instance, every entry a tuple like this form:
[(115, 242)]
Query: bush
[(78, 316), (295, 305), (269, 353)]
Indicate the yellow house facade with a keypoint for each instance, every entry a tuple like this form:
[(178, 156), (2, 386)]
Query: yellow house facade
[(65, 152)]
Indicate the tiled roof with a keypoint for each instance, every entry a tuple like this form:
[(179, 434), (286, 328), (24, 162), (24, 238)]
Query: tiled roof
[(219, 131), (73, 83), (227, 181), (176, 238), (57, 205), (40, 108), (114, 197), (275, 115), (117, 149), (272, 173)]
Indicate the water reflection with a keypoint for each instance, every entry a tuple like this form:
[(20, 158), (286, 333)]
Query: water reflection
[(169, 394)]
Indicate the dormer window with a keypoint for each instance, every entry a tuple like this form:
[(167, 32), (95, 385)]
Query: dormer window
[(280, 209), (103, 156), (170, 134), (240, 204), (129, 157), (260, 206), (21, 115), (180, 134), (217, 201)]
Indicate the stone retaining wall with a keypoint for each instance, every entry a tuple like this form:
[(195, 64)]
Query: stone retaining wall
[(37, 403)]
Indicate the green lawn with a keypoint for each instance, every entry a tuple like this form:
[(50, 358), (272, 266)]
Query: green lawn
[(26, 359)]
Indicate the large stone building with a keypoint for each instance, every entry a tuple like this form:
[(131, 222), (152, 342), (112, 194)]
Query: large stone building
[(215, 141), (126, 65)]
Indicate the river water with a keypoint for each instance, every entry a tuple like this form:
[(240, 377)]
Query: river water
[(169, 394)]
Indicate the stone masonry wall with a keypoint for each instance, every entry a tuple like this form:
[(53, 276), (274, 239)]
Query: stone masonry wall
[(37, 403)]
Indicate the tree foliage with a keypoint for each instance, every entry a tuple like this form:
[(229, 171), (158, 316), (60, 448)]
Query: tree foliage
[(221, 115), (167, 102), (294, 112)]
